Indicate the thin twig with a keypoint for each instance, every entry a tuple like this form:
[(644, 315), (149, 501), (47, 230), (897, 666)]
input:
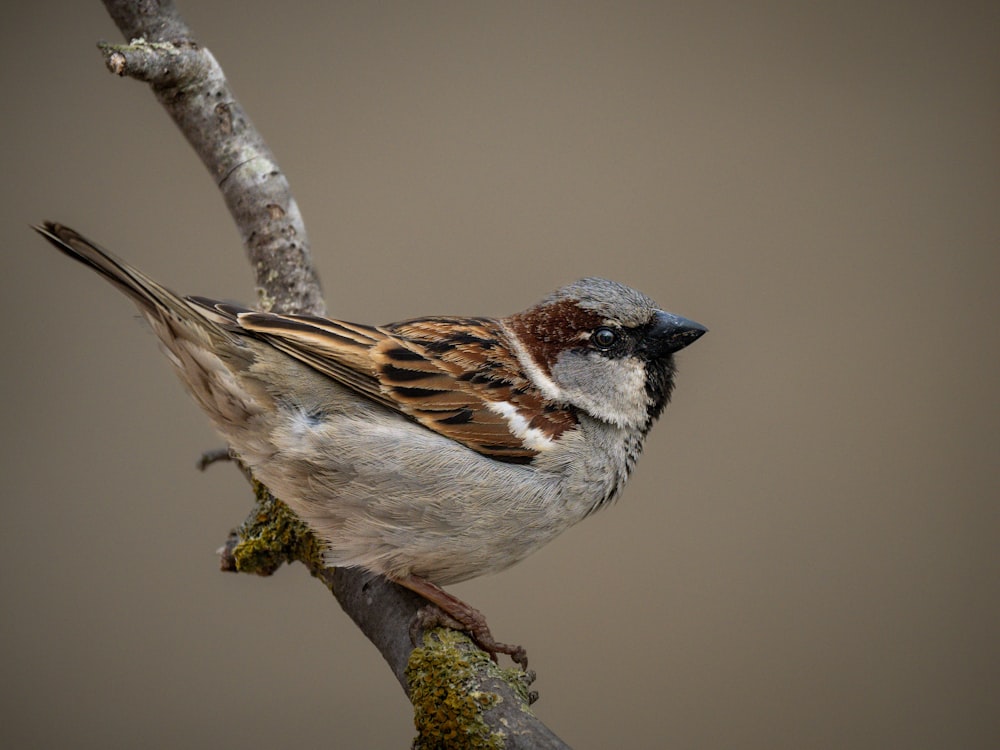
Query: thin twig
[(192, 88)]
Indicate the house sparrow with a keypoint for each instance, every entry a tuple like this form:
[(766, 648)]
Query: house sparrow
[(433, 450)]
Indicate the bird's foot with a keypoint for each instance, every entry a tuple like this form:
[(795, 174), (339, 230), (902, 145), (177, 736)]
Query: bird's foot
[(451, 612)]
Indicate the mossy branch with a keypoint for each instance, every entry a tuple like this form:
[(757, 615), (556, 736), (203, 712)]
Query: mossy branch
[(461, 699)]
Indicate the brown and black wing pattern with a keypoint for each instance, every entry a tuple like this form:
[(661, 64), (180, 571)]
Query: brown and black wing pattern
[(459, 377), (455, 376)]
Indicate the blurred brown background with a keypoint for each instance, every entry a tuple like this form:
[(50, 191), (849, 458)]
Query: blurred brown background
[(807, 556)]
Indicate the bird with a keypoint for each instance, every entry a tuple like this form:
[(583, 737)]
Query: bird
[(432, 450)]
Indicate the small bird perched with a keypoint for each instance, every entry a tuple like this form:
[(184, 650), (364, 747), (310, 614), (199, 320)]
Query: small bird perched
[(433, 450)]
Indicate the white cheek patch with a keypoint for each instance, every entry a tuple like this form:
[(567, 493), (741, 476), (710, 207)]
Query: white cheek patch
[(634, 379), (612, 390), (532, 437), (623, 401)]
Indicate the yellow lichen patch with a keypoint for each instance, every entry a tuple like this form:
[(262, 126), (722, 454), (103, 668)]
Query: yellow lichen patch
[(448, 700), (273, 535)]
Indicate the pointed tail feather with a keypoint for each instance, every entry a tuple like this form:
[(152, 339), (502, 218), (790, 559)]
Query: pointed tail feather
[(149, 295)]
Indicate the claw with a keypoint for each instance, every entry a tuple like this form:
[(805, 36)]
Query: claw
[(451, 612)]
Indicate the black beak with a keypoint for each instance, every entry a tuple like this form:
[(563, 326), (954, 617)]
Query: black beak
[(671, 333)]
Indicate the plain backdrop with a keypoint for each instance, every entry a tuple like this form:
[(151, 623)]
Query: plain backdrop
[(807, 555)]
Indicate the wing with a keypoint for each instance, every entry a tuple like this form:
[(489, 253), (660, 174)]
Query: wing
[(455, 376), (458, 377), (334, 348)]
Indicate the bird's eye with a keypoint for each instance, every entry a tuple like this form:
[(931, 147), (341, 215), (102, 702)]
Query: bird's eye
[(604, 338)]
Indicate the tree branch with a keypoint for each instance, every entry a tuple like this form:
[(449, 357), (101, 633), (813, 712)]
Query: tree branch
[(461, 698), (192, 88)]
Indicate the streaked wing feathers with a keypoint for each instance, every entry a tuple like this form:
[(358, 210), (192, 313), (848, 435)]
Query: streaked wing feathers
[(340, 350), (459, 377), (455, 376)]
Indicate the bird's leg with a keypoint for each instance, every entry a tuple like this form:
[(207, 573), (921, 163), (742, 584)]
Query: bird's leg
[(460, 616)]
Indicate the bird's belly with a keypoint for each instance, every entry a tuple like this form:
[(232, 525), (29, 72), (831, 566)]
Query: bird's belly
[(394, 498)]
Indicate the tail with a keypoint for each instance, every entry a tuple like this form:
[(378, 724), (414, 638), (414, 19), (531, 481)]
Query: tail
[(152, 298), (200, 337)]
